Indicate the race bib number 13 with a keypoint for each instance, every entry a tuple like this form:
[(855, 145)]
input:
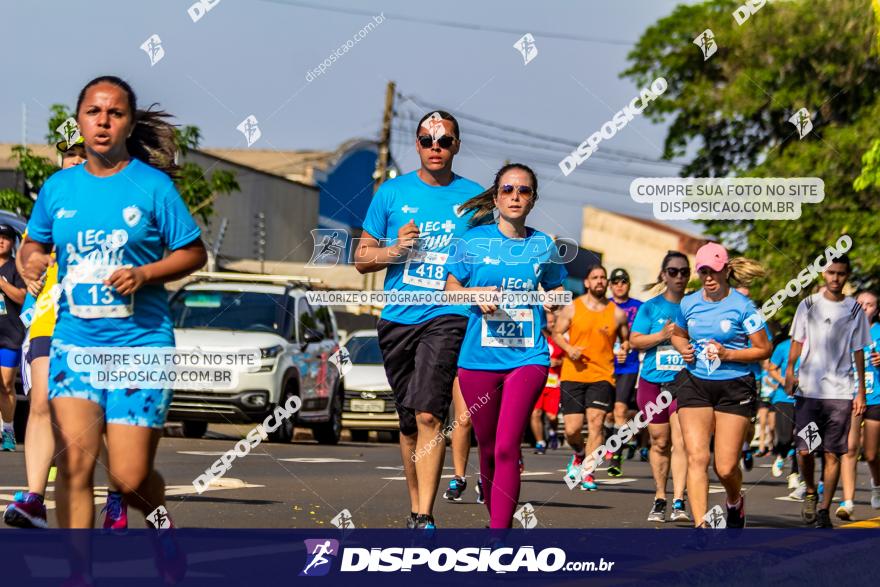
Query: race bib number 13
[(508, 328), (96, 300), (426, 269)]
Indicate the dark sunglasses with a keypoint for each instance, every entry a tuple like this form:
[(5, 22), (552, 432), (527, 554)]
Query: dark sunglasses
[(444, 142), (523, 190), (675, 271)]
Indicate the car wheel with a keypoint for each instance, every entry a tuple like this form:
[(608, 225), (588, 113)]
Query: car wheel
[(359, 435), (284, 433), (387, 436), (194, 429), (330, 431)]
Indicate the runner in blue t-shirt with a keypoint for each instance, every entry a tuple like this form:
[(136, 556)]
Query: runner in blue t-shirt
[(626, 370), (783, 407), (651, 332), (112, 221), (504, 358), (411, 230), (720, 334), (868, 301)]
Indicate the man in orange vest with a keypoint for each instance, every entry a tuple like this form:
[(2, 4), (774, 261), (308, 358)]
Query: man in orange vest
[(587, 378)]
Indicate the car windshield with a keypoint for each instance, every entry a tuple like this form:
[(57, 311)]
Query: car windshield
[(364, 350), (228, 310)]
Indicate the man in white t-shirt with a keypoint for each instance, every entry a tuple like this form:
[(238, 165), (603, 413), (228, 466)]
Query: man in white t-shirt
[(829, 331)]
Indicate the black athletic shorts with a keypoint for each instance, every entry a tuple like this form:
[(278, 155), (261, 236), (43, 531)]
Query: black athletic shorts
[(872, 413), (832, 419), (421, 361), (625, 389), (784, 423), (731, 396), (577, 396), (39, 347)]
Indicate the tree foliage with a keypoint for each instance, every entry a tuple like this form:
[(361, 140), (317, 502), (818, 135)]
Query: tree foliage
[(729, 116)]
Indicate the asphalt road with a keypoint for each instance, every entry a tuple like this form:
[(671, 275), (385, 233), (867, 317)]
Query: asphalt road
[(304, 485)]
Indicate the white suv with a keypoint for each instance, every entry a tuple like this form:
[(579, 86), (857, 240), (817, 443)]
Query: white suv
[(269, 313)]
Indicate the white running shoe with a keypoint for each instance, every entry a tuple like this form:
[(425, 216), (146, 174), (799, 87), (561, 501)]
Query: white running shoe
[(799, 492), (875, 496), (777, 467), (793, 481), (845, 510)]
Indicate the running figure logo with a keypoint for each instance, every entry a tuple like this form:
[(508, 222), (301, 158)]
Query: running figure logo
[(801, 121), (810, 434), (159, 518), (69, 130), (154, 50), (434, 125), (526, 46), (329, 245), (319, 554), (343, 520), (715, 518), (342, 360), (250, 128), (706, 42), (703, 352), (526, 516)]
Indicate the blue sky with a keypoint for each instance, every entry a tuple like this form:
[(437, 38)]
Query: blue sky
[(252, 57)]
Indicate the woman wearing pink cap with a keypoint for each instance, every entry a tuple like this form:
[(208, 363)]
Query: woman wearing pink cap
[(720, 334)]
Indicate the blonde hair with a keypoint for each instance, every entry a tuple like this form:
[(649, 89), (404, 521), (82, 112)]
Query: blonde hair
[(744, 271)]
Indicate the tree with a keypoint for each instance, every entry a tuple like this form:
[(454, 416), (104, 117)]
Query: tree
[(730, 114), (197, 190)]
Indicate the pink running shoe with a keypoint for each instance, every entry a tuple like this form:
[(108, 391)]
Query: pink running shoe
[(116, 517), (27, 511)]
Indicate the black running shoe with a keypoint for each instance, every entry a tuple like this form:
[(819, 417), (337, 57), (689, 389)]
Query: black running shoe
[(736, 516), (616, 467), (823, 519), (748, 460), (808, 510), (630, 451), (411, 521), (658, 511), (456, 488), (425, 522)]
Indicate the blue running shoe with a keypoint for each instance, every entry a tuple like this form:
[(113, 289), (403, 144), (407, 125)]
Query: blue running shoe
[(8, 441), (456, 488), (589, 484)]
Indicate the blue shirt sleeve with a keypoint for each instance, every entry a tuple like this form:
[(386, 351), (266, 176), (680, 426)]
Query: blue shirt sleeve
[(679, 319), (39, 226), (462, 264), (779, 355), (554, 273), (376, 220), (751, 318), (642, 322), (175, 223)]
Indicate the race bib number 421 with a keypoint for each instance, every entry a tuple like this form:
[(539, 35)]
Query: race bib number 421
[(426, 269), (508, 328)]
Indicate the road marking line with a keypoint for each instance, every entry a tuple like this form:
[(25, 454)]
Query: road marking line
[(320, 460), (212, 453), (525, 474)]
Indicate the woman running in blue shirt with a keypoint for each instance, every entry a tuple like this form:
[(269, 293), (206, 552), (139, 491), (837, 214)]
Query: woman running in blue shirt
[(504, 357), (112, 221), (721, 336)]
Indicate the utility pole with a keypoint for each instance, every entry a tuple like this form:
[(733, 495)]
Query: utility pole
[(385, 140)]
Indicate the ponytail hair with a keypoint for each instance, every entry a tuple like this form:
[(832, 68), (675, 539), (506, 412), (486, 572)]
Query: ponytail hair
[(483, 205), (670, 255), (743, 271), (153, 138)]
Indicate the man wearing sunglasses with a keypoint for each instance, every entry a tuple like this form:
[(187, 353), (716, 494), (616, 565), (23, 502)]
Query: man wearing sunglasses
[(411, 230), (626, 367)]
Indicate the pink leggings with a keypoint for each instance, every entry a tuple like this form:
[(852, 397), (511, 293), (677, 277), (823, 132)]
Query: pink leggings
[(500, 403)]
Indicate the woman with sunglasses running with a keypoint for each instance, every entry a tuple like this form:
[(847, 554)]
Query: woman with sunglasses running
[(504, 358), (111, 244), (721, 336), (651, 332)]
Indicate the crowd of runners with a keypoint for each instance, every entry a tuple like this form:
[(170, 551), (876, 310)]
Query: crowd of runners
[(697, 370), (705, 355)]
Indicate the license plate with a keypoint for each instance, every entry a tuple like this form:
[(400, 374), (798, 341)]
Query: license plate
[(367, 405)]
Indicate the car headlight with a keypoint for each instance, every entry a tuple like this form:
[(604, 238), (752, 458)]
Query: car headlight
[(271, 352)]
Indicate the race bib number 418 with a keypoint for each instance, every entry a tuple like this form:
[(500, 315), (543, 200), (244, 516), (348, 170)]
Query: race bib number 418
[(426, 269)]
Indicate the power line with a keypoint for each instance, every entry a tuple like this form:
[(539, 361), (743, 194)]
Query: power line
[(457, 25)]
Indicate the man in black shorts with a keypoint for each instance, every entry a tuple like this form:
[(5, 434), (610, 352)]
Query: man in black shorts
[(409, 230), (626, 368), (829, 332)]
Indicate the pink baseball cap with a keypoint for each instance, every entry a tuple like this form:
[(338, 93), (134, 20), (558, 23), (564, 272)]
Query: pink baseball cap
[(711, 255)]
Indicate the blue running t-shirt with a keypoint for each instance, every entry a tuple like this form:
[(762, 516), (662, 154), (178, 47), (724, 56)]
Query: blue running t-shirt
[(631, 364), (780, 359), (661, 362), (99, 224), (511, 337), (729, 322), (871, 372), (435, 211)]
